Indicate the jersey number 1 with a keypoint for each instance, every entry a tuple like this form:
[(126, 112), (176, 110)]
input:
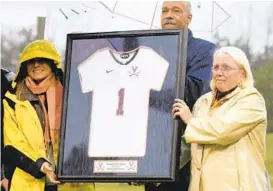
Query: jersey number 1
[(120, 102)]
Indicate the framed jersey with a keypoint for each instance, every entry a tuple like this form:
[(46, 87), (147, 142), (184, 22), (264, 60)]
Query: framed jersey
[(116, 121)]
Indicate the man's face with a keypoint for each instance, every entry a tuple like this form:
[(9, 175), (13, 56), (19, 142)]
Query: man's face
[(175, 15)]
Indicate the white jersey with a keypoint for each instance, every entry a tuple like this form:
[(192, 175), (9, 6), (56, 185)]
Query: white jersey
[(121, 84)]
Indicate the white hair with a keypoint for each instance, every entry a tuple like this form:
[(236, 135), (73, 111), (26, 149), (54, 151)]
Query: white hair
[(239, 56), (188, 3)]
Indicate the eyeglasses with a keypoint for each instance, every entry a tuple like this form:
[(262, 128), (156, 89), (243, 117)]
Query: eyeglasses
[(224, 69)]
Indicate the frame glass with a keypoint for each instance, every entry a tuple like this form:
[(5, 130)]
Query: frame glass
[(119, 88)]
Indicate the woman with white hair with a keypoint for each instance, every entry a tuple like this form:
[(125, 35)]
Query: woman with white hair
[(227, 128)]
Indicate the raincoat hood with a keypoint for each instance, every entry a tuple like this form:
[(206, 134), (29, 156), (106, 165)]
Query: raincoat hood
[(40, 49)]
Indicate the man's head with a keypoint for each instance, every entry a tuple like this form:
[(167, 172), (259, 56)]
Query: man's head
[(176, 14)]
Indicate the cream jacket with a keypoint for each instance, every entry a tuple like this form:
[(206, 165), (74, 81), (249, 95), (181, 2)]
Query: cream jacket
[(228, 142)]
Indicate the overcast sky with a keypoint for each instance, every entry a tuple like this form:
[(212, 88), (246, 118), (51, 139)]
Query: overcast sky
[(234, 18)]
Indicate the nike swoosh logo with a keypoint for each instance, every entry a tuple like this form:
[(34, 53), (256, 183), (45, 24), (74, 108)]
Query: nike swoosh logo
[(108, 71)]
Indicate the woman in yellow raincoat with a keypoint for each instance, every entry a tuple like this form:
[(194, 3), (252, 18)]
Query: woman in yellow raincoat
[(227, 129), (32, 111)]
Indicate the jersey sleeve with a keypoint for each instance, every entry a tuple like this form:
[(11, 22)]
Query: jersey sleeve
[(89, 73), (159, 70)]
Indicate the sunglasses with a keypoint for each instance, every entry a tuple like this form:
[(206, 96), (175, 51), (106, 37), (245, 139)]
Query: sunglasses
[(38, 60)]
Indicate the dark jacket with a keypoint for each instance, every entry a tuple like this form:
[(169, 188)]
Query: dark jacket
[(198, 74), (6, 78)]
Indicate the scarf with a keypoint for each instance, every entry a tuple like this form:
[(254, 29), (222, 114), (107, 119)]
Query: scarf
[(219, 95), (50, 93)]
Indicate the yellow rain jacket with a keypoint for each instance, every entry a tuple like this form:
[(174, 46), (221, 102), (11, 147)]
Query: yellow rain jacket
[(23, 130), (228, 142)]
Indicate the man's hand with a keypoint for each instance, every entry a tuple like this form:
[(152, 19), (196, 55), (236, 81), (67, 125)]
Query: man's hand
[(180, 109), (5, 184), (46, 168)]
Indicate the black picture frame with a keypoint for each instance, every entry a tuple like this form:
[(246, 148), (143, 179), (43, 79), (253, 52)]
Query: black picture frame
[(161, 160)]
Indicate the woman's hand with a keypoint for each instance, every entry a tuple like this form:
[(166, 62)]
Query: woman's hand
[(180, 109), (46, 168), (5, 184)]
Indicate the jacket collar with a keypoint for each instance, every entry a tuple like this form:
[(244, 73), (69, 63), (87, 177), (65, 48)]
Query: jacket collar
[(228, 96), (219, 95), (210, 99), (28, 95), (231, 94), (190, 36)]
